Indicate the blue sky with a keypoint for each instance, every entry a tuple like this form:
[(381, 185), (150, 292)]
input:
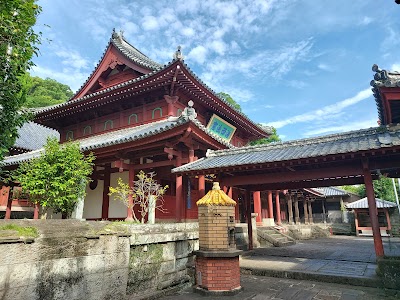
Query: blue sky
[(303, 66)]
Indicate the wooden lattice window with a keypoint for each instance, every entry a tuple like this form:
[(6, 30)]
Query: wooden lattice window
[(109, 124), (87, 130), (154, 112), (135, 119)]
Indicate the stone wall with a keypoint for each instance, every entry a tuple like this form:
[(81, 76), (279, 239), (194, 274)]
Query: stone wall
[(395, 221), (94, 260)]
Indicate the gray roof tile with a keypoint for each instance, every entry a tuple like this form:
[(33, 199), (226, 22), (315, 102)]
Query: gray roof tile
[(330, 191), (122, 136), (363, 203), (348, 142), (32, 136)]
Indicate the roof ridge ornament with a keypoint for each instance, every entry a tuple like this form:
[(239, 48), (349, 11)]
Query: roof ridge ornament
[(115, 35), (178, 54)]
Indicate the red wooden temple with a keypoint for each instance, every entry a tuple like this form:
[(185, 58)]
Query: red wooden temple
[(133, 113)]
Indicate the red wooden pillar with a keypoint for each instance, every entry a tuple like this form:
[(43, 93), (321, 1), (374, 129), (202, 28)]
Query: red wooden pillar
[(373, 213), (178, 193), (249, 224), (235, 196), (131, 177), (202, 186), (270, 206), (278, 208), (9, 202), (106, 197), (36, 211), (257, 206)]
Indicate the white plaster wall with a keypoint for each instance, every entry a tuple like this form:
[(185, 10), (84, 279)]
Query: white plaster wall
[(116, 208), (93, 201)]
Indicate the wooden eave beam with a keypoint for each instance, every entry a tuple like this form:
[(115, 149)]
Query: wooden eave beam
[(136, 88)]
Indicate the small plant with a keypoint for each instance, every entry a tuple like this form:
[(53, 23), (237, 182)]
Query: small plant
[(20, 231), (147, 195)]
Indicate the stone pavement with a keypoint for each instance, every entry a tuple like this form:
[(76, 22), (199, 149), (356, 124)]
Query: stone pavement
[(263, 288), (339, 267)]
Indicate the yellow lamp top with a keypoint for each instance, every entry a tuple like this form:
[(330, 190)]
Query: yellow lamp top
[(216, 197)]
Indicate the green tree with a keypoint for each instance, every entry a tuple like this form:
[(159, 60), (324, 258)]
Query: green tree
[(57, 178), (230, 100), (18, 43), (383, 189), (274, 137), (44, 92)]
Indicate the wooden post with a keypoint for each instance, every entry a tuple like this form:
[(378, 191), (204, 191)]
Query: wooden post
[(310, 217), (202, 186), (389, 226), (290, 208), (9, 203), (178, 192), (131, 178), (270, 206), (323, 211), (249, 224), (36, 212), (106, 197), (305, 208), (373, 213), (356, 221), (296, 210), (278, 208), (257, 206)]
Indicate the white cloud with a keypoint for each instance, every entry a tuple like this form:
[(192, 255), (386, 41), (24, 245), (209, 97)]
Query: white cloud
[(72, 77), (366, 21), (324, 67), (198, 54), (326, 112), (342, 128), (395, 67), (297, 84), (150, 23)]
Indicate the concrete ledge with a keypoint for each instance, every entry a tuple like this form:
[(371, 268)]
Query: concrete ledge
[(350, 280), (205, 292), (218, 254)]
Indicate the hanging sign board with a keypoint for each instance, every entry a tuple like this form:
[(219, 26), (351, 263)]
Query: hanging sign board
[(221, 128)]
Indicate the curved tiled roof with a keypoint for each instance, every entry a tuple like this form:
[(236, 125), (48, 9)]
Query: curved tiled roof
[(112, 88), (363, 203), (349, 142), (132, 53), (121, 136), (129, 51), (383, 78), (330, 191), (265, 129), (32, 136)]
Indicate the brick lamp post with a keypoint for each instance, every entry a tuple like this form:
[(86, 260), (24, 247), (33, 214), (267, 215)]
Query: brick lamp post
[(217, 260)]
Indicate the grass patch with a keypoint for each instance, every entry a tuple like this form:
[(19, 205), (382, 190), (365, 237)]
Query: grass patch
[(11, 230)]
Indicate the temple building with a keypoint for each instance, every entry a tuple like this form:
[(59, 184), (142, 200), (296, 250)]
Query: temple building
[(136, 114)]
